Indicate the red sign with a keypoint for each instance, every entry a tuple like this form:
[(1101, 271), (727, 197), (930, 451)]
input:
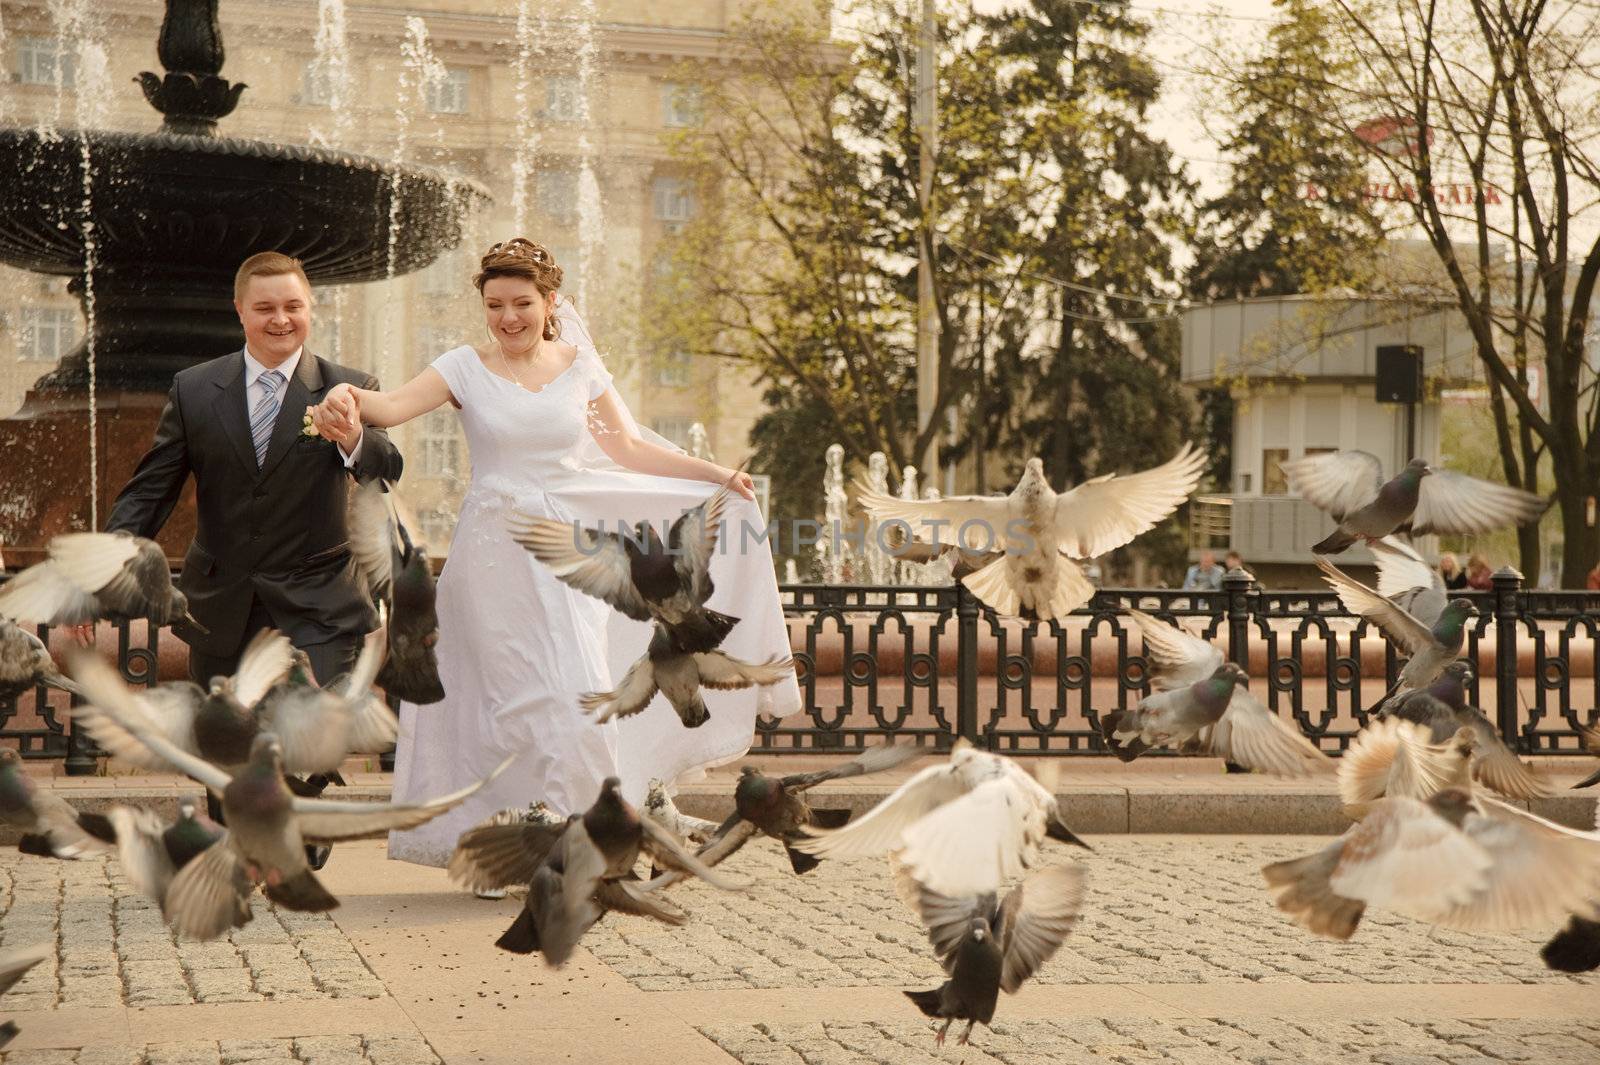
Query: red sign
[(1446, 194)]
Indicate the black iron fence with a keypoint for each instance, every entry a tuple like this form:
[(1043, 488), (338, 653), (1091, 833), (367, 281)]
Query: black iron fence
[(933, 663)]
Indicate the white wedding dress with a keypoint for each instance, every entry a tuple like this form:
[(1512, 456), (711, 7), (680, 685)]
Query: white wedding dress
[(517, 646)]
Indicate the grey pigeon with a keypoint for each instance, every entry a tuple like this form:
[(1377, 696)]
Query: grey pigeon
[(50, 827), (1203, 702), (1456, 860), (777, 806), (589, 870), (268, 826), (25, 663), (152, 853), (1040, 532), (1442, 707), (97, 576), (317, 728), (1431, 646), (1419, 499), (14, 965), (988, 946), (640, 575), (962, 828), (1409, 582), (680, 676), (398, 575)]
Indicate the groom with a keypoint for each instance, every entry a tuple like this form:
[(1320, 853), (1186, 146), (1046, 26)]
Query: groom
[(270, 547)]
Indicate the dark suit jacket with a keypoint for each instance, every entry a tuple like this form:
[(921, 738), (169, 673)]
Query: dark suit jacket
[(277, 533)]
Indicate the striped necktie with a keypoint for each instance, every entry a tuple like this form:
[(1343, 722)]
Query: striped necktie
[(266, 412)]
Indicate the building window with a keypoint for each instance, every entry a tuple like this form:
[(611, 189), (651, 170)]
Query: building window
[(674, 428), (562, 98), (47, 333), (674, 202), (46, 61), (558, 193), (448, 95), (1273, 480), (316, 85), (680, 105), (438, 445), (671, 371)]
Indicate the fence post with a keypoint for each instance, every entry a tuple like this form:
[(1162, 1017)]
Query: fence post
[(1507, 610), (1236, 585), (966, 664)]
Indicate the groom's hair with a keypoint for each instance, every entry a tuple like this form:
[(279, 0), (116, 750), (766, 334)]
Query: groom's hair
[(267, 264)]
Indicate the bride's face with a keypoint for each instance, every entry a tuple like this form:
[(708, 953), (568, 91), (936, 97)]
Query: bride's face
[(515, 311)]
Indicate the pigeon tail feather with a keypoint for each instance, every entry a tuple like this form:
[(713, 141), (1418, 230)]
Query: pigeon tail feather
[(522, 937), (1112, 722), (304, 892), (1335, 542), (801, 862), (702, 631), (929, 1002)]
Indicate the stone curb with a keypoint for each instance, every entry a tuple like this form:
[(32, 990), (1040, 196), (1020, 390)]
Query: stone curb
[(1249, 807)]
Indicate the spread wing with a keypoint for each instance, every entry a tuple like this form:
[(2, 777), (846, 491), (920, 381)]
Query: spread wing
[(1177, 658), (1497, 767), (595, 563), (1036, 918), (1253, 736), (1540, 874), (1404, 857), (265, 663), (372, 539), (1338, 482), (873, 760), (940, 520), (974, 843), (881, 828), (42, 595), (1105, 513), (169, 709), (693, 538), (496, 855), (1450, 502), (328, 821), (97, 561), (1395, 757), (1410, 582), (723, 671), (127, 724), (1397, 624), (669, 851)]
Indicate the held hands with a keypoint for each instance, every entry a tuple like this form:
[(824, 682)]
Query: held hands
[(338, 416)]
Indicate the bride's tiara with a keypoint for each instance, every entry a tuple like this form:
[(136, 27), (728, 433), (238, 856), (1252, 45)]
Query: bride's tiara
[(518, 248)]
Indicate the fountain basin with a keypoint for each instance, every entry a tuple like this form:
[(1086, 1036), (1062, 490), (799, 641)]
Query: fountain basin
[(171, 218)]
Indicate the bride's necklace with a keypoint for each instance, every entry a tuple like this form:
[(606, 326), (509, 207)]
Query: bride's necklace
[(539, 351)]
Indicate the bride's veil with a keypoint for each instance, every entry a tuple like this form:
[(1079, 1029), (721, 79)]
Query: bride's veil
[(588, 455)]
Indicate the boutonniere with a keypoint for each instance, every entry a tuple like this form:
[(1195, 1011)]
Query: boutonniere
[(306, 428)]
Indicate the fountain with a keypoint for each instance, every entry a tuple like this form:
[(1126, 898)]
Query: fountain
[(169, 217)]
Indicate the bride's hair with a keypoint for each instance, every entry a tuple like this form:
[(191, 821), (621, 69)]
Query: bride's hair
[(521, 257)]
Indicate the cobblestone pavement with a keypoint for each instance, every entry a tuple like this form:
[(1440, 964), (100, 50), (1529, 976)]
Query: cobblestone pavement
[(1250, 1041), (403, 1049), (1161, 910), (113, 948)]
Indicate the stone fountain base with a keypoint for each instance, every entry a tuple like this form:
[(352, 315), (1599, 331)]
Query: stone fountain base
[(45, 479)]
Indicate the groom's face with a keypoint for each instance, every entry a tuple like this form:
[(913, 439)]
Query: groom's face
[(276, 315)]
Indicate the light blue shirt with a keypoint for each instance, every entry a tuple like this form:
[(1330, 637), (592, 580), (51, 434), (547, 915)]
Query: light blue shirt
[(255, 391), (1199, 580)]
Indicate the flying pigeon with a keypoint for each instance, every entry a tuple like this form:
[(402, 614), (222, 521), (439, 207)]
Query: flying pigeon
[(588, 870), (1442, 707), (268, 826), (988, 946), (50, 827), (1591, 743), (1430, 645), (397, 574), (962, 828), (317, 728), (1456, 860), (152, 853), (777, 806), (1419, 499), (639, 574), (25, 663), (1042, 532), (1201, 698), (680, 676), (14, 965), (1395, 758), (95, 576), (659, 807), (1576, 948)]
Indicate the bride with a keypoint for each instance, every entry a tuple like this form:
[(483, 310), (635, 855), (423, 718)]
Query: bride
[(549, 435)]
